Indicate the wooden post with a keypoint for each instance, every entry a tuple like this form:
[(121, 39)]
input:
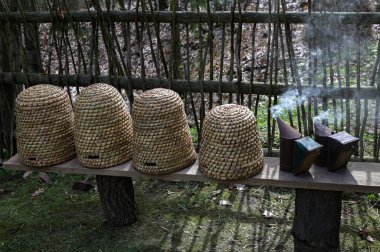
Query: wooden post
[(9, 61), (317, 220), (32, 42), (118, 199)]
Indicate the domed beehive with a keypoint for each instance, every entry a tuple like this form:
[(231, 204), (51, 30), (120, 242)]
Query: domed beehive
[(103, 127), (44, 126), (231, 147), (162, 142)]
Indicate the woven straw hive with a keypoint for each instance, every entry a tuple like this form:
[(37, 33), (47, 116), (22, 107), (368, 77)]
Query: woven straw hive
[(162, 142), (103, 127), (44, 126), (231, 147)]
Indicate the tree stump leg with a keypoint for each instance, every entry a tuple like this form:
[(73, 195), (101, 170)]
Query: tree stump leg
[(118, 199), (317, 220)]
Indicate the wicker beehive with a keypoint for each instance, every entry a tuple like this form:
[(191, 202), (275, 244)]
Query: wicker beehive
[(231, 147), (103, 127), (44, 126), (162, 142)]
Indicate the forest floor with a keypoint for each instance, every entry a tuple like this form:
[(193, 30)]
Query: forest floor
[(43, 213)]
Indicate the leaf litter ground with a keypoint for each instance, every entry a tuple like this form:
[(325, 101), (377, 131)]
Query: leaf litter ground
[(174, 216)]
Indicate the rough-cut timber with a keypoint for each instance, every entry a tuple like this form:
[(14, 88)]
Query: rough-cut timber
[(182, 86), (317, 220), (188, 17), (118, 199), (358, 177)]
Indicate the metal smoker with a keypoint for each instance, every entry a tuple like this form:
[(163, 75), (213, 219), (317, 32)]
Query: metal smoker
[(287, 137), (322, 134), (296, 154), (337, 148), (340, 148), (306, 150)]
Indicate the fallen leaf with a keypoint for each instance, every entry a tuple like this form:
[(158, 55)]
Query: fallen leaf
[(38, 192), (370, 239), (240, 187), (214, 193), (45, 178), (225, 203), (27, 174), (364, 234), (267, 214)]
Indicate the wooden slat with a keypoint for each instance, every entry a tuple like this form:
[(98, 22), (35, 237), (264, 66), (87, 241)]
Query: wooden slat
[(181, 85), (358, 177), (188, 17)]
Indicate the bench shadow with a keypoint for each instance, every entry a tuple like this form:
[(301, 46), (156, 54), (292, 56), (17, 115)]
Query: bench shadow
[(210, 229), (170, 219), (356, 221)]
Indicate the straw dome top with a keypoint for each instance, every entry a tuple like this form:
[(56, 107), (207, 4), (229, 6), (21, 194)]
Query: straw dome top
[(231, 147), (40, 95), (161, 97), (44, 126), (162, 142), (103, 127), (158, 107)]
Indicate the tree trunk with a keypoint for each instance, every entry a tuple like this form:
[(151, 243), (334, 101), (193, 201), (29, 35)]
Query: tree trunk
[(118, 199), (317, 220)]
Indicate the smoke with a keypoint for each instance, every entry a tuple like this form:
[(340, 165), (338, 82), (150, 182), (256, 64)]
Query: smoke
[(333, 31), (334, 38), (322, 117), (288, 101), (291, 99)]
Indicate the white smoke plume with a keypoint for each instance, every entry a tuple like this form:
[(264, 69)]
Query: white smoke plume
[(323, 116), (290, 100)]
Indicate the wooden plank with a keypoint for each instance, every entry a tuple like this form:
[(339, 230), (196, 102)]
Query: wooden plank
[(358, 177), (189, 17), (179, 85)]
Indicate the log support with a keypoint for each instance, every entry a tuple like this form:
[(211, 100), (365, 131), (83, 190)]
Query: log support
[(317, 220), (118, 199)]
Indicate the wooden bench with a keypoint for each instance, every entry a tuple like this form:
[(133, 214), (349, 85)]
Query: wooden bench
[(317, 205)]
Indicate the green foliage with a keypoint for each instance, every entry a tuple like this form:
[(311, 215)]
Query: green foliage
[(194, 134), (372, 197)]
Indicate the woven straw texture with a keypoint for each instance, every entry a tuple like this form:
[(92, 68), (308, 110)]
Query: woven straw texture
[(162, 142), (231, 147), (44, 126), (103, 127)]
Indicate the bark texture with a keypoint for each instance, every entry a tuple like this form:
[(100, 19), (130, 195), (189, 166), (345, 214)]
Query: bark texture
[(118, 199), (317, 220)]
